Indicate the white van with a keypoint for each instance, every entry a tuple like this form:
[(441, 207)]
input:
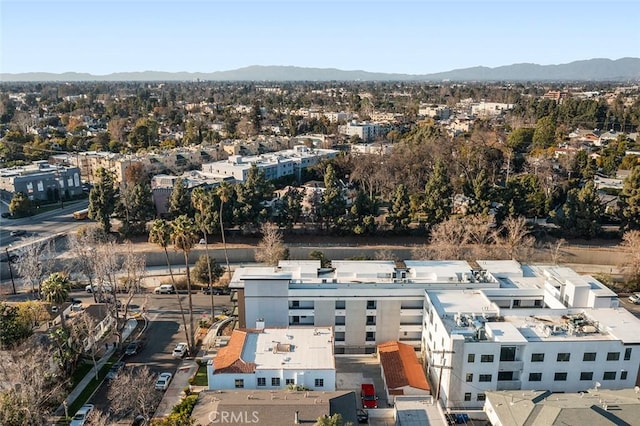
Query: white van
[(164, 289)]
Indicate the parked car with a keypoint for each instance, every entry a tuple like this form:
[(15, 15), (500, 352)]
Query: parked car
[(180, 350), (368, 395), (635, 299), (165, 289), (163, 381), (216, 290), (5, 215), (18, 233), (82, 415), (105, 288), (114, 370), (132, 348), (363, 416)]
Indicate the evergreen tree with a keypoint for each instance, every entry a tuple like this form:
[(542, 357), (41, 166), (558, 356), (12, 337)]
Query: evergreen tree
[(333, 204), (630, 200), (582, 212), (362, 214), (481, 193), (180, 200), (399, 212), (135, 208), (289, 208), (437, 202), (20, 205), (544, 135), (102, 199), (252, 193)]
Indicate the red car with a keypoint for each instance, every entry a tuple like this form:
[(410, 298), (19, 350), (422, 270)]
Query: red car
[(368, 395)]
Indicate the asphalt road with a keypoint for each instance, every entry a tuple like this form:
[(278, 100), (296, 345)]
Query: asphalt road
[(40, 226), (164, 331)]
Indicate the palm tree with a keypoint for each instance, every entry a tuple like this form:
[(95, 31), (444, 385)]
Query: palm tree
[(160, 234), (225, 191), (184, 234), (55, 290), (202, 201)]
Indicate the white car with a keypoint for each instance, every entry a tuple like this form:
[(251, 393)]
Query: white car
[(106, 288), (82, 415), (635, 299), (180, 350), (163, 381)]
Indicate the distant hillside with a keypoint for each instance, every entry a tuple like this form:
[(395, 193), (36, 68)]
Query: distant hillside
[(624, 69)]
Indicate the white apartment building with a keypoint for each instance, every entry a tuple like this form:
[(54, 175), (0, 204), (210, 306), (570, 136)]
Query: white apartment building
[(489, 109), (274, 358), (366, 302), (366, 131), (545, 328), (275, 165), (441, 112)]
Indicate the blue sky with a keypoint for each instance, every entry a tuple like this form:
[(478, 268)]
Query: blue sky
[(412, 37)]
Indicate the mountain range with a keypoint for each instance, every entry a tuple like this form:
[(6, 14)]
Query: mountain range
[(624, 69)]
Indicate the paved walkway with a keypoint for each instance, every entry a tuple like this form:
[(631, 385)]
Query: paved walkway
[(75, 393)]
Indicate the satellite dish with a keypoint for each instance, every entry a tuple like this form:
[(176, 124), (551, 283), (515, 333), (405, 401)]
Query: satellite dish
[(637, 389), (597, 385)]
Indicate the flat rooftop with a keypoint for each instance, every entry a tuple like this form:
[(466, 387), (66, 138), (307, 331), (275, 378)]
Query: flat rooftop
[(466, 312), (293, 348)]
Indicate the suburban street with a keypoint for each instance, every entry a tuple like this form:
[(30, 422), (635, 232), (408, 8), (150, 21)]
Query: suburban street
[(163, 332)]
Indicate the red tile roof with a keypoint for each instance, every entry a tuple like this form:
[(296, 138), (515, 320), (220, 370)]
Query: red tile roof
[(229, 358), (401, 367)]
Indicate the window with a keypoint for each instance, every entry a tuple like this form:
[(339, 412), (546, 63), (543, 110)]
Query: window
[(295, 320), (340, 304), (613, 356), (469, 377), (609, 375), (508, 353), (560, 377), (340, 320), (319, 383), (289, 382), (484, 377), (627, 354), (295, 304), (563, 357), (239, 383), (589, 356), (505, 375), (481, 397), (486, 358), (467, 396), (537, 357), (371, 320), (339, 335), (537, 303), (371, 336), (471, 358), (371, 304), (586, 375), (275, 381), (262, 381), (535, 377), (516, 303), (623, 375)]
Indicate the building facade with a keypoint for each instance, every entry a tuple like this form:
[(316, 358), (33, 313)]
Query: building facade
[(42, 181)]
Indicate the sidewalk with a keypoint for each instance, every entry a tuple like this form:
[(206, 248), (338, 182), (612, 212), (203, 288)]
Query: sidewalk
[(75, 393)]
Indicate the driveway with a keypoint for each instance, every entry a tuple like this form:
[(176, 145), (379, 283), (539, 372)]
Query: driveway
[(354, 370)]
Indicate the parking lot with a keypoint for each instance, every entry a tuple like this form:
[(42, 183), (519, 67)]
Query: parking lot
[(354, 370)]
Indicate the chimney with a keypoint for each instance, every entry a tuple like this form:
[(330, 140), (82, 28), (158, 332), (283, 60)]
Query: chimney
[(296, 418), (260, 324)]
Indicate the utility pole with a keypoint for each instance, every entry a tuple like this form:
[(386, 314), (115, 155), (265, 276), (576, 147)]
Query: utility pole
[(441, 367), (13, 283)]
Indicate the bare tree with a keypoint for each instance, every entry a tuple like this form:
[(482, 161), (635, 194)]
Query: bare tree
[(32, 386), (135, 268), (385, 254), (631, 264), (271, 248), (133, 392), (106, 270), (555, 250), (82, 246), (448, 239), (35, 263), (514, 237), (83, 331)]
